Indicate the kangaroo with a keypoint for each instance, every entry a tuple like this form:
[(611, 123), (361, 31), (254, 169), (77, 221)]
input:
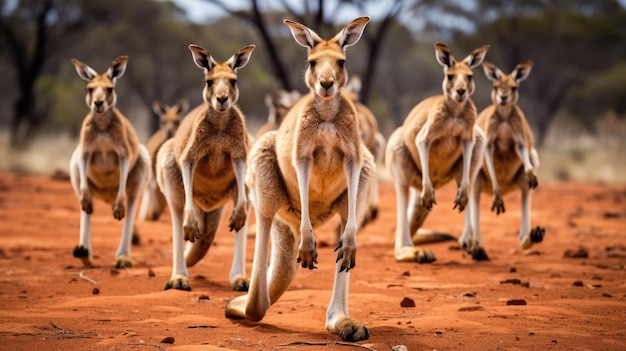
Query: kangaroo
[(437, 142), (510, 158), (203, 166), (153, 202), (278, 108), (313, 167), (109, 163)]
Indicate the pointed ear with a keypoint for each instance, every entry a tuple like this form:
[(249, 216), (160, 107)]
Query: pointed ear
[(352, 32), (477, 56), (444, 56), (201, 57), (241, 57), (181, 106), (302, 34), (159, 108), (522, 71), (491, 71), (85, 72), (117, 68)]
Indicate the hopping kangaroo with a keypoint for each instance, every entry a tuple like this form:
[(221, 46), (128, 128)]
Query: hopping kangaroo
[(438, 142), (109, 163), (510, 157), (153, 202), (313, 167), (204, 166)]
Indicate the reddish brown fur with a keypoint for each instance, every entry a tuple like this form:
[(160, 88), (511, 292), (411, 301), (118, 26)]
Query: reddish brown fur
[(204, 166), (108, 146), (153, 201)]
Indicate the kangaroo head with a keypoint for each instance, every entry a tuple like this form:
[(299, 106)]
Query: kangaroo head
[(101, 87), (170, 116), (505, 85), (326, 72), (221, 90), (458, 84)]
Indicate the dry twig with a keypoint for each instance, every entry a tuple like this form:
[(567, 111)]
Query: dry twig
[(334, 342)]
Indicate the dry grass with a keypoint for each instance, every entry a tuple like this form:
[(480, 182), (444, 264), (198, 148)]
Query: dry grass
[(42, 156), (573, 153)]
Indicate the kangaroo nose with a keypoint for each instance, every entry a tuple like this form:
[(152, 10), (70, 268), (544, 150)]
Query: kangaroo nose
[(98, 103), (461, 92), (327, 83), (222, 99)]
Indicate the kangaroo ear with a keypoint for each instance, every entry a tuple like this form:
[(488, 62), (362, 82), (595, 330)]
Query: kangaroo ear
[(477, 56), (302, 34), (159, 108), (352, 32), (444, 56), (85, 72), (201, 57), (241, 57), (522, 71), (181, 106), (491, 71), (117, 68)]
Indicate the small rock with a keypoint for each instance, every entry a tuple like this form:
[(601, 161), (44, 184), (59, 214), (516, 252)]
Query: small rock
[(95, 291), (581, 252), (406, 274), (114, 272), (407, 302), (151, 273), (399, 348), (516, 302), (606, 295), (512, 270), (203, 298), (471, 308), (578, 283), (167, 340), (513, 281), (470, 294)]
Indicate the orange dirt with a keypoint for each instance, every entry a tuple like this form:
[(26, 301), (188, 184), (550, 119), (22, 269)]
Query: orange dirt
[(48, 301)]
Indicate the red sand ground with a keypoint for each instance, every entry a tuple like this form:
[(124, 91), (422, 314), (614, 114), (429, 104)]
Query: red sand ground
[(47, 300)]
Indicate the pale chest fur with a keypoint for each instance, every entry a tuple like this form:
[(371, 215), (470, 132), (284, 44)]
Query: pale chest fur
[(211, 144), (327, 143), (106, 139)]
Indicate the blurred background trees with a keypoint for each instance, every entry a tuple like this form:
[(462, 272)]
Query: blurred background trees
[(578, 47)]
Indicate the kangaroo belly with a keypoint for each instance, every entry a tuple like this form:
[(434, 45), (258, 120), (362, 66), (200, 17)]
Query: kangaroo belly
[(213, 181)]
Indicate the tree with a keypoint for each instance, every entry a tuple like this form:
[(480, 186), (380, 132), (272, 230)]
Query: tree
[(31, 31), (315, 15)]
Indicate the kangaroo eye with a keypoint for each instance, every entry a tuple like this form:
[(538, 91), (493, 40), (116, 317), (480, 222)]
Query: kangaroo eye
[(209, 83), (450, 77), (341, 63), (109, 90), (90, 90), (311, 64), (514, 89), (470, 78), (233, 82)]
